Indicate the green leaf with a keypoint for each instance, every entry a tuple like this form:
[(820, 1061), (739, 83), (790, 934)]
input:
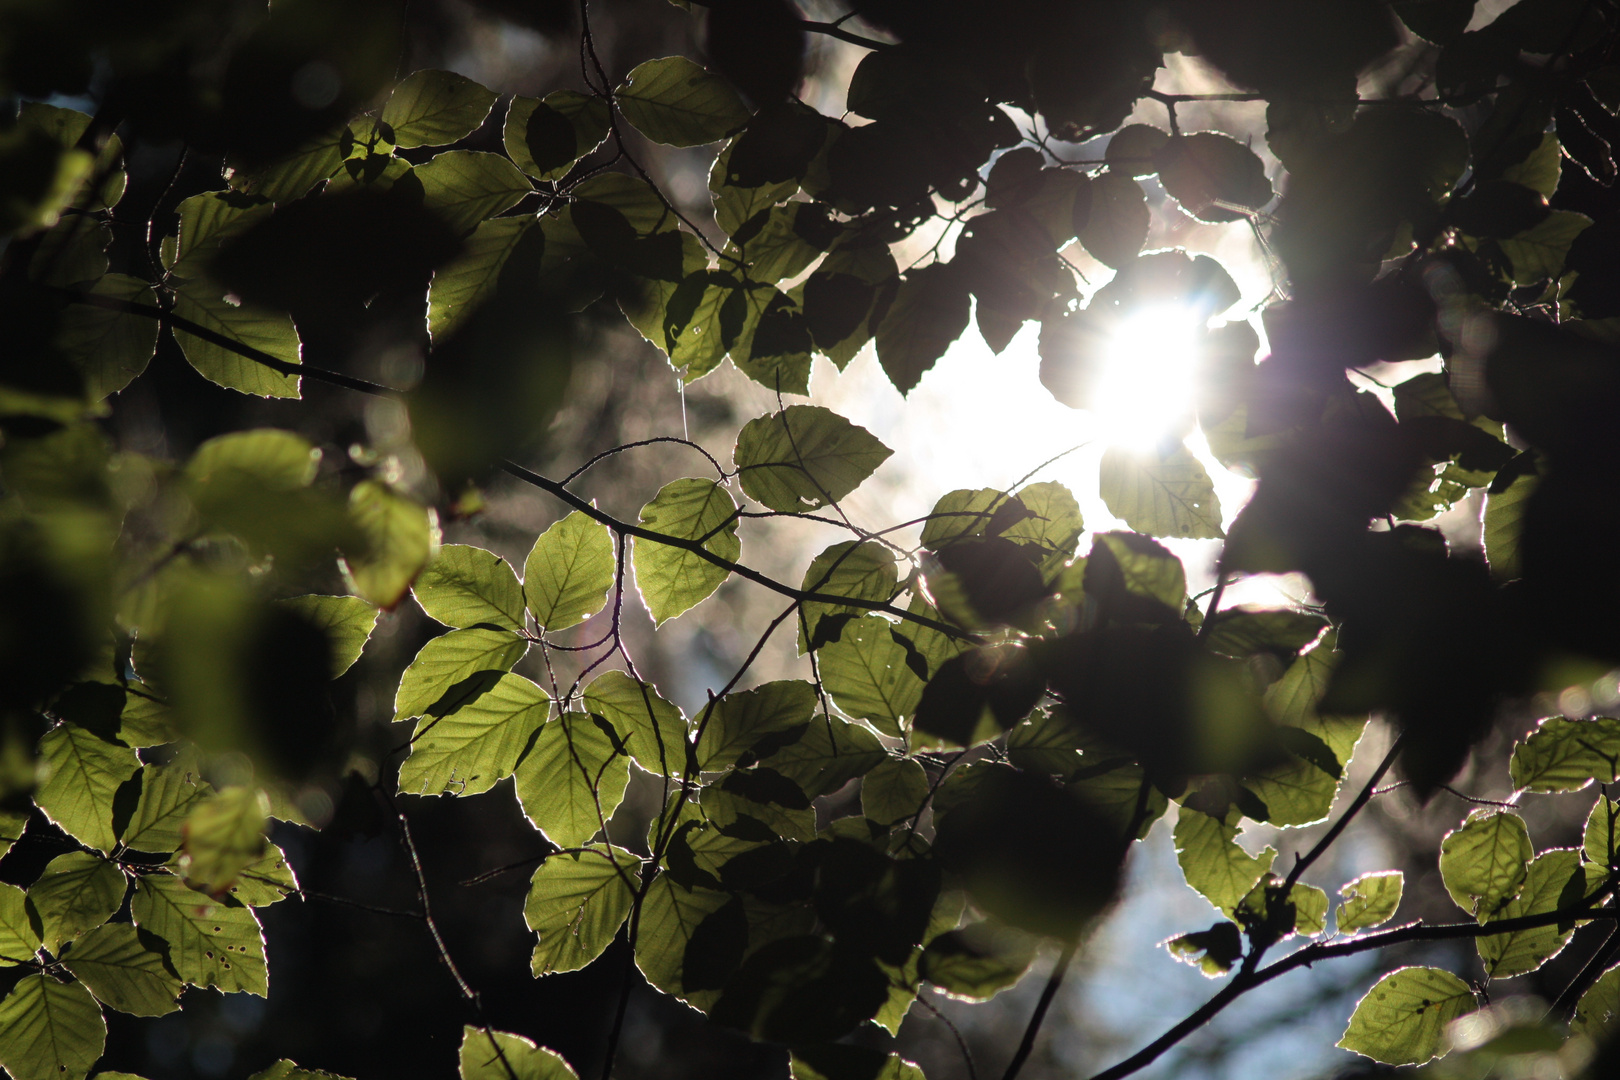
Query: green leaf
[(792, 237), (569, 571), (546, 136), (287, 1070), (168, 795), (126, 972), (1370, 900), (401, 536), (978, 961), (1291, 701), (291, 176), (1540, 170), (77, 892), (965, 513), (1403, 1018), (670, 915), (500, 1055), (110, 348), (1538, 253), (653, 729), (264, 457), (464, 586), (735, 205), (347, 620), (672, 580), (435, 108), (894, 791), (737, 811), (1213, 951), (466, 186), (1504, 523), (224, 834), (208, 222), (50, 1030), (211, 942), (1242, 633), (1599, 1007), (1599, 841), (465, 752), (805, 457), (572, 778), (12, 823), (576, 903), (1303, 912), (674, 101), (1296, 792), (267, 331), (267, 880), (1567, 755), (1213, 862), (737, 721), (929, 312), (464, 283), (1545, 888), (19, 936), (1483, 863), (863, 569), (1161, 494), (433, 685), (842, 1061), (1053, 526), (826, 754), (82, 774), (1118, 224), (1047, 742), (867, 673)]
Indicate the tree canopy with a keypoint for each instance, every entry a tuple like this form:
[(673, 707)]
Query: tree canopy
[(398, 276)]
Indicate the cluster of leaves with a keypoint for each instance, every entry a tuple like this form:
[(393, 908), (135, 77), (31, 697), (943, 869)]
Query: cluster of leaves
[(1017, 713)]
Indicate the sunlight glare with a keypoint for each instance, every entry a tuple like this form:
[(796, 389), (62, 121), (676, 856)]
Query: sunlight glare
[(1148, 375)]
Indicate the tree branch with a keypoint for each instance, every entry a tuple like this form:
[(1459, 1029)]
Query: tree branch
[(1053, 981)]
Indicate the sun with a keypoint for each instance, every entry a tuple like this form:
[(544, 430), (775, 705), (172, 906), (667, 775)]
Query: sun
[(1149, 369)]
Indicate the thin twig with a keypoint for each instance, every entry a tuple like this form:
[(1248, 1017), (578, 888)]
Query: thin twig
[(1053, 981)]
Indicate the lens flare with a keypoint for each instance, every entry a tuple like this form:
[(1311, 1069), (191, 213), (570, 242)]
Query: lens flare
[(1147, 380)]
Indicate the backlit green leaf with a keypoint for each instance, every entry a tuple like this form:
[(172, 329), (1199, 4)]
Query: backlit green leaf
[(672, 100), (435, 108), (1118, 225), (1545, 889), (1599, 1007), (211, 942), (805, 457), (465, 585), (576, 903), (1161, 494), (401, 536), (267, 880), (669, 916), (1504, 521), (894, 791), (545, 137), (1484, 862), (347, 620), (740, 719), (110, 348), (569, 571), (1599, 841), (1213, 862), (862, 569), (271, 332), (827, 754), (224, 833), (572, 779), (1567, 755), (433, 684), (467, 751), (653, 729), (500, 1055), (466, 186), (19, 937), (1370, 900), (978, 961), (1539, 252), (82, 775), (77, 892), (673, 579), (129, 973), (867, 674), (50, 1030), (168, 795), (1403, 1018), (468, 280)]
